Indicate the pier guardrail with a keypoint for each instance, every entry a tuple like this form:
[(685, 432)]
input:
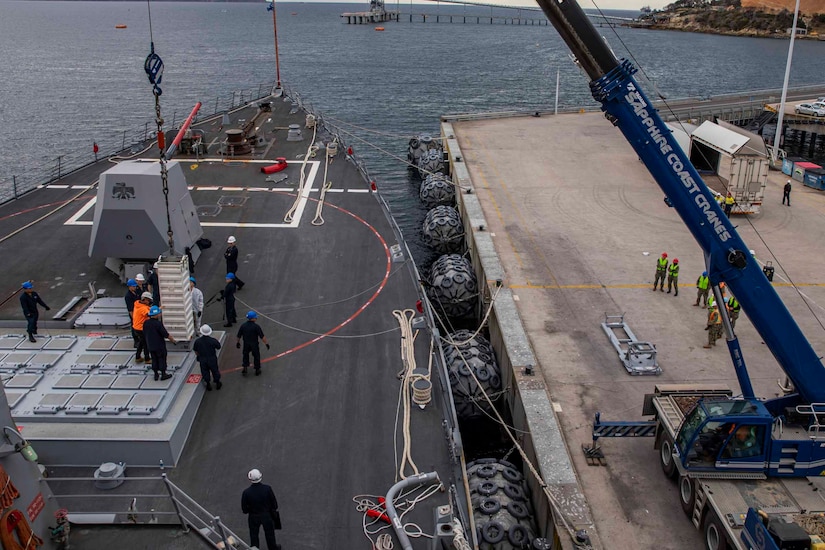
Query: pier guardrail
[(120, 142)]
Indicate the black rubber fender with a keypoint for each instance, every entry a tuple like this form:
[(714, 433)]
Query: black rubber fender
[(483, 373), (492, 532), (488, 488), (514, 491), (518, 510), (486, 471), (489, 506), (519, 536), (512, 475)]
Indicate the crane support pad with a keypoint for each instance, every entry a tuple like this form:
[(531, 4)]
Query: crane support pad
[(645, 428), (637, 357)]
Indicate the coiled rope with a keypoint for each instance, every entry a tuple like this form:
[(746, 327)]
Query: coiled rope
[(16, 533), (9, 492)]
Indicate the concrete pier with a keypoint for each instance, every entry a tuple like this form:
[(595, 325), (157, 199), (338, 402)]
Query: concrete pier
[(561, 209)]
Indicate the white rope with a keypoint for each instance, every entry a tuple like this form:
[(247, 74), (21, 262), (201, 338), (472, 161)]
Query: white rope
[(403, 504), (404, 318), (319, 219), (310, 151)]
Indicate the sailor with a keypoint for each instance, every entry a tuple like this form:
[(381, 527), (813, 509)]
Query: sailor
[(661, 271), (228, 297), (231, 255), (702, 284), (156, 335), (132, 296), (728, 204), (714, 327), (250, 331), (258, 500), (197, 301), (141, 283), (28, 301), (673, 277), (139, 316), (786, 193), (206, 350), (153, 286), (733, 310)]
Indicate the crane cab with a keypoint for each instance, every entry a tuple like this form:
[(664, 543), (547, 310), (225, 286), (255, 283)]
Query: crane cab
[(725, 435), (741, 436)]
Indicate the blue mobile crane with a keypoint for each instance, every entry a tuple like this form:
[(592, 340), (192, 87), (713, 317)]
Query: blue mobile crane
[(731, 454)]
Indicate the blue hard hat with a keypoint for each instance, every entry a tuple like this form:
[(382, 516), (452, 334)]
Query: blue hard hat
[(251, 315), (27, 285), (193, 280), (154, 310), (131, 282), (704, 274), (230, 275)]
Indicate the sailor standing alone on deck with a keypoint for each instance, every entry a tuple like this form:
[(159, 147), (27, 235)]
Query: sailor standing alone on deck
[(661, 272), (250, 332), (258, 500), (28, 301)]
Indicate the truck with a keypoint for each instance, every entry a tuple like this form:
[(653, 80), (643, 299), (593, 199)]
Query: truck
[(751, 471)]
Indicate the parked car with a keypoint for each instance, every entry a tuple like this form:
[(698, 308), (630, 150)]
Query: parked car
[(815, 109)]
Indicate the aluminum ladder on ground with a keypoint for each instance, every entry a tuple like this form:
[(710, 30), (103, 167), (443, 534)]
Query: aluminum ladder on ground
[(637, 357)]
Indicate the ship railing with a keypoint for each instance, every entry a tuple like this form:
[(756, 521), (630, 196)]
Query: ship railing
[(118, 144), (140, 501)]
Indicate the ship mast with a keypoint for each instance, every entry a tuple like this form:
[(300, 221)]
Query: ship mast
[(271, 7)]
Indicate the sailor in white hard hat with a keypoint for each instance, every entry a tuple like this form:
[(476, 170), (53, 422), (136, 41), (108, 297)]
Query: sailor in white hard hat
[(231, 256), (206, 350), (258, 500), (786, 193)]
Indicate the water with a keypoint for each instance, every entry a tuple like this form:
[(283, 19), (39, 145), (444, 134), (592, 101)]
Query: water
[(69, 78)]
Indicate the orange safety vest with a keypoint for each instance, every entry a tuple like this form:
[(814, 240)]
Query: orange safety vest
[(139, 315), (715, 318)]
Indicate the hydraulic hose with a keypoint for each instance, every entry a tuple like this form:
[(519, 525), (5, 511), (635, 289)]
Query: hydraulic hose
[(393, 492)]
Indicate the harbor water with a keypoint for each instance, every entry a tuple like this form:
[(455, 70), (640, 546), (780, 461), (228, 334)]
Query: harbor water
[(71, 79)]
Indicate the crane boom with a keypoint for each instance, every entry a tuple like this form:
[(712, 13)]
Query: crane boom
[(728, 259)]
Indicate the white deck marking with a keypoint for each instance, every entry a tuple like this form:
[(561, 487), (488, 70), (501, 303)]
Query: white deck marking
[(54, 186), (75, 220), (296, 220)]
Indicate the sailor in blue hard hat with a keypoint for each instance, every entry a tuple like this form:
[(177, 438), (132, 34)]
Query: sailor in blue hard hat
[(228, 296), (29, 299), (250, 331), (132, 296), (156, 335)]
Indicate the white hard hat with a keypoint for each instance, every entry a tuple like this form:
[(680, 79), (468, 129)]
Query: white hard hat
[(255, 475), (146, 295), (789, 181), (206, 330), (231, 239), (139, 277)]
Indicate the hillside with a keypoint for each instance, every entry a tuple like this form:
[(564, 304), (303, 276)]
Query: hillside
[(765, 18)]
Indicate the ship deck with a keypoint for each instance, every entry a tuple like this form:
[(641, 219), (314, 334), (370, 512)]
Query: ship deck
[(321, 421), (577, 223)]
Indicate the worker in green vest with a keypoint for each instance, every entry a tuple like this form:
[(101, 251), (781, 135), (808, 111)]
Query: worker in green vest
[(673, 276), (702, 284), (733, 310), (729, 204), (661, 272)]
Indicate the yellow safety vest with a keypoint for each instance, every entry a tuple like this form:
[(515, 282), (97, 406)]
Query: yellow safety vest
[(733, 304), (674, 270), (662, 265), (728, 200), (702, 282)]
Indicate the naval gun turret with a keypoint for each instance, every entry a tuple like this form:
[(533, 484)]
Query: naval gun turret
[(130, 225)]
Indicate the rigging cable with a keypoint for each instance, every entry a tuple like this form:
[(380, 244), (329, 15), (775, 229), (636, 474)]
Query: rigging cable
[(300, 191), (153, 66)]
